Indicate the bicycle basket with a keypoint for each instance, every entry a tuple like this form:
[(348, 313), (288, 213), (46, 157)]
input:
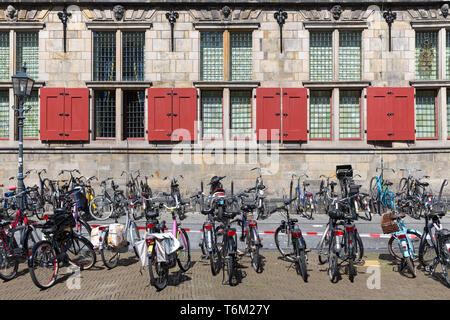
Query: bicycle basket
[(387, 224), (344, 171), (354, 189)]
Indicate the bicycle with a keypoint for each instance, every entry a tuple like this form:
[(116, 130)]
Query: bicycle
[(379, 191), (111, 253), (11, 251), (290, 242), (344, 241), (61, 246), (103, 206), (259, 195), (304, 201), (407, 240), (159, 270), (326, 193)]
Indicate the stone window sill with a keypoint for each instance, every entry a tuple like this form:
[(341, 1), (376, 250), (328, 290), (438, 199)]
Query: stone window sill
[(226, 84), (118, 84), (336, 84)]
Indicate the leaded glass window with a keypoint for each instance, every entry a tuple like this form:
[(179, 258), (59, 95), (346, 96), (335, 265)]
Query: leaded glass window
[(4, 114), (319, 115), (134, 114), (105, 113), (321, 56), (212, 116), (426, 55), (241, 55), (425, 114), (104, 56), (349, 55), (27, 46), (349, 114), (133, 56), (241, 114), (4, 56), (31, 122), (211, 56)]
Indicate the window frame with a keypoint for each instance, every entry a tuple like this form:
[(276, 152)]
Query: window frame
[(330, 138), (94, 107), (222, 138), (360, 116), (124, 116), (251, 116), (436, 115)]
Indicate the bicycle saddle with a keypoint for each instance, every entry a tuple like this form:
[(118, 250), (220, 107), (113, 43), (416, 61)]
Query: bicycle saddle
[(423, 184), (206, 212), (388, 183), (305, 184), (248, 207), (437, 213), (230, 215), (60, 210), (4, 223), (12, 188), (152, 214), (332, 183), (443, 232), (293, 220)]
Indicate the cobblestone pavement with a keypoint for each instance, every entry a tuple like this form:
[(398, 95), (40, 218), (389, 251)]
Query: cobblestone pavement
[(278, 281)]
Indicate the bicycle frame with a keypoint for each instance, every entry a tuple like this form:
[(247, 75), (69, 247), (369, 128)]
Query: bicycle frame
[(404, 242)]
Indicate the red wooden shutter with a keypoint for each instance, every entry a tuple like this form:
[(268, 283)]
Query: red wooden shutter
[(377, 121), (390, 114), (52, 112), (403, 113), (268, 113), (76, 114), (295, 114), (184, 108), (159, 114)]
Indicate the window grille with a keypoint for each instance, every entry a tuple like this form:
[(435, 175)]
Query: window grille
[(426, 55), (28, 52), (321, 56), (4, 114), (320, 117), (4, 56), (241, 114), (134, 114), (211, 60), (349, 114), (425, 114), (448, 114), (241, 56), (31, 123), (212, 116), (105, 113), (133, 56), (447, 53), (104, 56), (349, 55)]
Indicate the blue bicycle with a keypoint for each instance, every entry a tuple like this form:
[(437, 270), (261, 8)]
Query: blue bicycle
[(407, 239), (304, 203), (379, 192)]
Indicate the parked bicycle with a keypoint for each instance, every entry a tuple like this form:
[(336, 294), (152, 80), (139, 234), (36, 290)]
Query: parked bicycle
[(304, 202), (326, 193), (290, 242), (104, 205)]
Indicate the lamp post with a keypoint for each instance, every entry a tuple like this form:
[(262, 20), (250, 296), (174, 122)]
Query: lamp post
[(22, 86)]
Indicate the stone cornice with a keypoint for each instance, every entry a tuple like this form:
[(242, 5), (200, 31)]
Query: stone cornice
[(335, 24), (118, 25), (226, 84), (336, 84)]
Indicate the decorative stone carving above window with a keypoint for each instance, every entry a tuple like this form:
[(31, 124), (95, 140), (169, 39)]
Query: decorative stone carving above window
[(429, 13), (335, 13), (13, 14), (225, 14), (118, 14)]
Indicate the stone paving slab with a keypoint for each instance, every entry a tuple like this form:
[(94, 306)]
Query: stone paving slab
[(277, 282)]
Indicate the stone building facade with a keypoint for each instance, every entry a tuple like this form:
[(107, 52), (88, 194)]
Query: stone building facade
[(227, 53)]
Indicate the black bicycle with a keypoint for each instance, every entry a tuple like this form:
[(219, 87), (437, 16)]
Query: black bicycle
[(290, 242), (61, 246)]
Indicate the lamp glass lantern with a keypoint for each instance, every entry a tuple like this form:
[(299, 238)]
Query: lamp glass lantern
[(22, 84)]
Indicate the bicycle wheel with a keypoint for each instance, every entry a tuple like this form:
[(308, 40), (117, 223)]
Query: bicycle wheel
[(184, 255), (215, 261), (411, 267), (138, 212), (309, 208), (110, 256), (254, 250), (43, 265), (81, 252), (394, 249), (284, 243), (31, 238), (351, 269), (445, 263), (84, 227), (359, 248), (333, 262), (159, 272), (427, 253), (101, 208), (301, 265), (231, 270), (8, 264), (373, 188), (323, 248), (403, 185)]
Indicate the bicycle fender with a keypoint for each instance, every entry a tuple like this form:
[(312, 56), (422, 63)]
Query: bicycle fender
[(231, 245), (414, 231), (301, 243)]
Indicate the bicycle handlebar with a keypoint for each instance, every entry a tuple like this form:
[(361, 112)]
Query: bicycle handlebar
[(382, 169)]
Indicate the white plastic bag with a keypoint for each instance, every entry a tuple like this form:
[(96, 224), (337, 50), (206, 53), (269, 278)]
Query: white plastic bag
[(116, 235), (165, 244), (141, 248), (95, 236)]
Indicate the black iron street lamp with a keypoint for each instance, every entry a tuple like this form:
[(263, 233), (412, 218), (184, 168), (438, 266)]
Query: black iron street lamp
[(22, 86)]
